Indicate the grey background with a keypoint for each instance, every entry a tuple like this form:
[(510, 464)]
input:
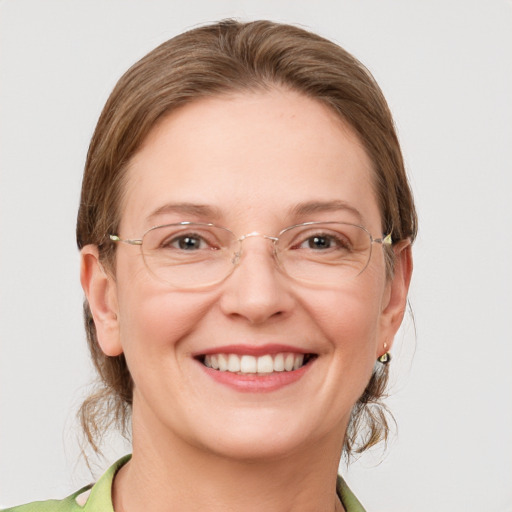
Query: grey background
[(445, 67)]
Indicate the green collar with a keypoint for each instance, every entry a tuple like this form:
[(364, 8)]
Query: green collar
[(100, 497), (347, 497)]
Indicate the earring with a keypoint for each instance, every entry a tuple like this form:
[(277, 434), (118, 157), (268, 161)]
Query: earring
[(386, 357)]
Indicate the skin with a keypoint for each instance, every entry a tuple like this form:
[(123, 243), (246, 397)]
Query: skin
[(253, 157)]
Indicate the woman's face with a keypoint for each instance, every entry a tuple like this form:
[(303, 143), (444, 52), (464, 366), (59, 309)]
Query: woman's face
[(256, 162)]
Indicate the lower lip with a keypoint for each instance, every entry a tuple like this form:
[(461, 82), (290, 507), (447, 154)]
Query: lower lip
[(257, 383)]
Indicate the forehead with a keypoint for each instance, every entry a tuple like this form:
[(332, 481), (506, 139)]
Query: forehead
[(249, 155)]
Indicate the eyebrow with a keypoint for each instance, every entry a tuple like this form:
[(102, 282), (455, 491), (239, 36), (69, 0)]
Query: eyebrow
[(311, 207), (212, 213), (193, 209)]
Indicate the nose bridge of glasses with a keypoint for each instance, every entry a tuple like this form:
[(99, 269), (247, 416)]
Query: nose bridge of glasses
[(254, 234)]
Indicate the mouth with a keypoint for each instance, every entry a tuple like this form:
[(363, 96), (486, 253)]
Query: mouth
[(265, 364)]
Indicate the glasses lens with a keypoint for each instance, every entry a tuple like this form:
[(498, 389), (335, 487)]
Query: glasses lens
[(324, 253), (189, 255)]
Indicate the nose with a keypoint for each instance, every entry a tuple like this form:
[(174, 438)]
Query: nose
[(256, 291)]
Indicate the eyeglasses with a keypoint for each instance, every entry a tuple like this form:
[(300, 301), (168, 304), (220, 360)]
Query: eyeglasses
[(191, 255)]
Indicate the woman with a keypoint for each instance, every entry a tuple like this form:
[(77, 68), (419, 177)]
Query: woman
[(245, 230)]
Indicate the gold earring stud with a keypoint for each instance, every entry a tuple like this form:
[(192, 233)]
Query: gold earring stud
[(386, 357)]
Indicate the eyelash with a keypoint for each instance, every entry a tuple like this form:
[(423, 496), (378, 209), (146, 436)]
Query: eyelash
[(167, 243)]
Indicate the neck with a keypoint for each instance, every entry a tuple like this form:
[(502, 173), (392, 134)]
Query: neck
[(169, 474)]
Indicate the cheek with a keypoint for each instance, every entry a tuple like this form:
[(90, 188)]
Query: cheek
[(352, 315), (348, 321), (154, 319), (151, 315)]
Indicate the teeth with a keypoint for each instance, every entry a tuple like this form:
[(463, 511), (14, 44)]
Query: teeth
[(233, 363), (288, 362), (265, 364), (223, 362), (247, 364), (279, 363), (297, 363)]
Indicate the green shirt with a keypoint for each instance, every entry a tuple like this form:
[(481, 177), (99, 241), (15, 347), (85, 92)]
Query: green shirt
[(98, 497)]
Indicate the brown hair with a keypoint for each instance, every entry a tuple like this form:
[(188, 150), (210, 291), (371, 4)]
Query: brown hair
[(214, 60)]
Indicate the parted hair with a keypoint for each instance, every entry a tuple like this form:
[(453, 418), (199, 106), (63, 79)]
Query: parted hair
[(214, 60)]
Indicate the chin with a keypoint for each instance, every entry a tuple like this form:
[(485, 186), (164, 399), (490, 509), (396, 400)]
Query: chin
[(257, 448), (267, 436)]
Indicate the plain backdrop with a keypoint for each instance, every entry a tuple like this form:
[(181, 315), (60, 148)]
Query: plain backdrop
[(445, 67)]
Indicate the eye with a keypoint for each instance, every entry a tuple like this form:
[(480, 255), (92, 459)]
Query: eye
[(324, 242), (319, 242), (187, 242)]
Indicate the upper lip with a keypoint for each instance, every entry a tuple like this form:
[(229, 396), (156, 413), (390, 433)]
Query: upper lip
[(252, 350)]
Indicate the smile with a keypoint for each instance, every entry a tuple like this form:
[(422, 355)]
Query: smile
[(256, 365)]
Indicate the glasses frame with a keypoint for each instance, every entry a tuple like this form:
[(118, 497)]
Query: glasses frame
[(385, 240)]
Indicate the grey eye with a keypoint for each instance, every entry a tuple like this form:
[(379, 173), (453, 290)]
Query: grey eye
[(320, 242), (186, 242)]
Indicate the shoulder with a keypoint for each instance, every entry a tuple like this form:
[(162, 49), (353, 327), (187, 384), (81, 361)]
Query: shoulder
[(92, 498), (347, 497), (68, 504)]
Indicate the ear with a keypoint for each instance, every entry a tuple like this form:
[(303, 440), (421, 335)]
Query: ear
[(101, 293), (395, 300)]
